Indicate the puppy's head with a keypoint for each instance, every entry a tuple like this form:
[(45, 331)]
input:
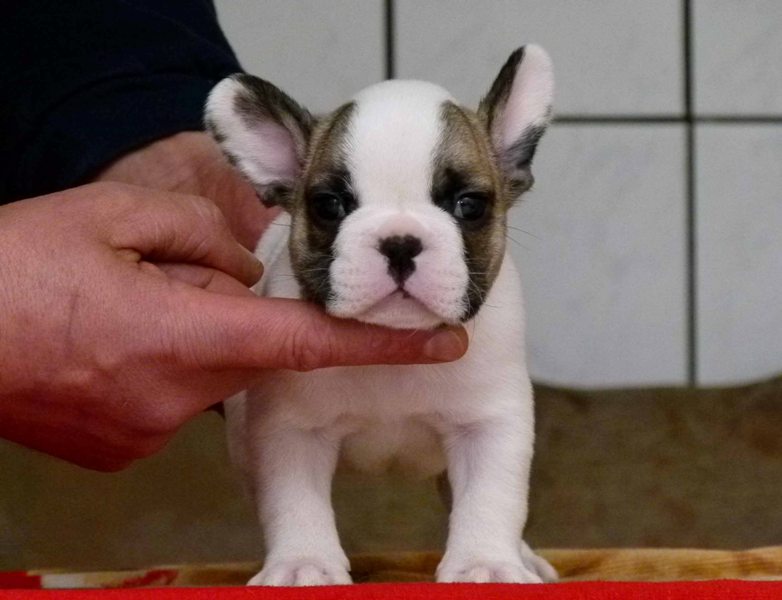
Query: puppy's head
[(398, 198)]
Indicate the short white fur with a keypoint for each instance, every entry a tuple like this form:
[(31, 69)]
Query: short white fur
[(474, 416)]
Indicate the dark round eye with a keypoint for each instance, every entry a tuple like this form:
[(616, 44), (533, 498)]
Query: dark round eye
[(469, 207), (329, 207)]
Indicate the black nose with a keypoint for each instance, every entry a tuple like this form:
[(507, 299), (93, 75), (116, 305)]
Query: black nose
[(400, 251)]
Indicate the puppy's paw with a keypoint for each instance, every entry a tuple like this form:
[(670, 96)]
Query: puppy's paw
[(486, 571), (538, 565), (301, 571)]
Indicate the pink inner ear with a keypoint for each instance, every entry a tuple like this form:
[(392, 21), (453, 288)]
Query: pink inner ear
[(273, 152), (529, 100)]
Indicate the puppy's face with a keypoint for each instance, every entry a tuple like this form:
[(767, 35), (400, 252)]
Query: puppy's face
[(399, 197)]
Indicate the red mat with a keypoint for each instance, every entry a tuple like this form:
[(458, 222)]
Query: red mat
[(711, 590)]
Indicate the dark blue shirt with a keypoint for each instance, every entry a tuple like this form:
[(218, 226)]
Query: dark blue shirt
[(83, 82)]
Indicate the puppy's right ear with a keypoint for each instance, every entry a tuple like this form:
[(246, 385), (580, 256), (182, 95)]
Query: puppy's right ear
[(262, 131)]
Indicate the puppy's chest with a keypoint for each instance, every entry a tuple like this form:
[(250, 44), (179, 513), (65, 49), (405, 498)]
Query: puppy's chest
[(409, 444), (382, 418)]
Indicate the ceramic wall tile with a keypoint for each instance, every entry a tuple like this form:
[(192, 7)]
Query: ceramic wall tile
[(321, 53), (738, 47), (600, 242), (610, 56), (739, 200)]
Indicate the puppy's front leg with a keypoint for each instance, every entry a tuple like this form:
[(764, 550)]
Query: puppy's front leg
[(294, 469), (488, 469)]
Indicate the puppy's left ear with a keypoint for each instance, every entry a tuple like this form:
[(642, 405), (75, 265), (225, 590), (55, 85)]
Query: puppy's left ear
[(263, 132), (517, 110)]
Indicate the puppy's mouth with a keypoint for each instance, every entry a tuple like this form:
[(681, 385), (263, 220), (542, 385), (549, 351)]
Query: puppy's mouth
[(405, 293), (401, 310)]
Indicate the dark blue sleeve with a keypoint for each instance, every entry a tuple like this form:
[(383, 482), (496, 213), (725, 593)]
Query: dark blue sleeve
[(83, 82)]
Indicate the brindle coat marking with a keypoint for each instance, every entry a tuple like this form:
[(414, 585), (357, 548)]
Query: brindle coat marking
[(465, 162), (311, 242)]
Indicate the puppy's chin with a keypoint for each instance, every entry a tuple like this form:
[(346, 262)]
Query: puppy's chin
[(398, 312)]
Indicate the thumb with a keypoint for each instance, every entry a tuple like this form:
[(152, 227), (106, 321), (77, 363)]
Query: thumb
[(230, 332), (177, 228)]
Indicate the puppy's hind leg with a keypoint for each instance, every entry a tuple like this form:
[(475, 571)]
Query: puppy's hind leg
[(294, 469)]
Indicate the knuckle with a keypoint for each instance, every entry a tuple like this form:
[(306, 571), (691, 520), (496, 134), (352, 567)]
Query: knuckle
[(163, 418), (308, 348), (208, 221), (207, 210), (149, 420)]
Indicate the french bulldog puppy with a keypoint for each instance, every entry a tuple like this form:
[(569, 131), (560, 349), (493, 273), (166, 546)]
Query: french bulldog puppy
[(395, 214)]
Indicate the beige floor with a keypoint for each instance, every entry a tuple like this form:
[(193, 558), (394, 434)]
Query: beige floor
[(625, 468)]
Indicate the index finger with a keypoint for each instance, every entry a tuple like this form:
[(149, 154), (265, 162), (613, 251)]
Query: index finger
[(229, 332)]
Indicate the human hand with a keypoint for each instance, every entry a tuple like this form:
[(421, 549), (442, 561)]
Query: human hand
[(125, 312), (190, 162)]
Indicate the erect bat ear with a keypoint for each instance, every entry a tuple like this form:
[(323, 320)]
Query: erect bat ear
[(516, 111), (262, 131)]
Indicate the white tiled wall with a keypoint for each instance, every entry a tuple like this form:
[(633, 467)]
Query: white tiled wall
[(603, 260), (604, 256), (320, 52), (740, 257), (738, 56), (611, 56)]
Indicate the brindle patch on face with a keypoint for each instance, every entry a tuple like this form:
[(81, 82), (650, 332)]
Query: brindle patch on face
[(464, 162), (312, 242)]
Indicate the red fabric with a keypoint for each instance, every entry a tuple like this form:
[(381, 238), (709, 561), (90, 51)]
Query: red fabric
[(19, 579), (709, 590)]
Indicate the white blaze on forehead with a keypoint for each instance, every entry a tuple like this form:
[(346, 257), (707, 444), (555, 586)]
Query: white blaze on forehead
[(394, 133), (393, 136)]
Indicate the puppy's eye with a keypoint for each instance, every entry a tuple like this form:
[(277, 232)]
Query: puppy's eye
[(329, 207), (469, 207)]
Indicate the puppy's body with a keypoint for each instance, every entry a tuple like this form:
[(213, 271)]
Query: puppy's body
[(397, 208), (375, 418), (398, 414)]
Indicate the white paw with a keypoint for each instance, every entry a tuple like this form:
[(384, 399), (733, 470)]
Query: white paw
[(538, 564), (301, 571), (487, 571)]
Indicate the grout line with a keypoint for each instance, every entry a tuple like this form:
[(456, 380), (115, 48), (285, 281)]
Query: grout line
[(733, 119), (664, 120), (690, 183), (390, 36), (618, 119)]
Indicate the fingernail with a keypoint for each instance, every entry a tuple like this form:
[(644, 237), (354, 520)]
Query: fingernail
[(256, 269), (446, 345)]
